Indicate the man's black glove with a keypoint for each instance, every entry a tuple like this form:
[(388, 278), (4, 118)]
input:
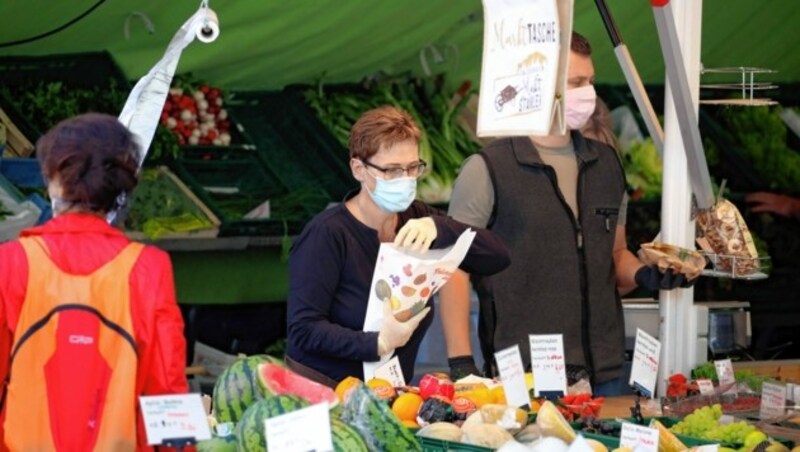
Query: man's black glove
[(651, 278), (461, 366)]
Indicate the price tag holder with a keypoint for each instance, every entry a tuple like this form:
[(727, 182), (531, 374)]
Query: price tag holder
[(638, 438), (705, 386), (725, 376), (391, 372), (290, 432), (644, 371), (547, 365), (512, 375), (174, 417), (773, 400)]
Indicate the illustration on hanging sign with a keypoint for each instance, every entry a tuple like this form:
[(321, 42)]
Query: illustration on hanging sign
[(523, 68), (407, 280)]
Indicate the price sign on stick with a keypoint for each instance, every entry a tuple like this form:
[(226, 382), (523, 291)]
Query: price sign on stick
[(547, 364), (391, 372), (512, 374), (644, 371), (773, 400), (174, 416), (638, 438), (725, 376), (290, 432)]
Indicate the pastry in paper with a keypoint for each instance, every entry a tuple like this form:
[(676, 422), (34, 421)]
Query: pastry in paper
[(666, 256), (724, 233)]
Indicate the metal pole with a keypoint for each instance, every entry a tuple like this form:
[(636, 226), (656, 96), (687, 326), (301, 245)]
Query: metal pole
[(632, 77), (678, 324)]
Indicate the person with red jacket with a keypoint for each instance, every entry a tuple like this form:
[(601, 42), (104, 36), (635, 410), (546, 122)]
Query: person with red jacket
[(88, 318)]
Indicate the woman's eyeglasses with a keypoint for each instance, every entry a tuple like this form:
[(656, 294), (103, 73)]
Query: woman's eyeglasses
[(413, 170)]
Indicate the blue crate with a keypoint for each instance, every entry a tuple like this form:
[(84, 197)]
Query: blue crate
[(22, 172)]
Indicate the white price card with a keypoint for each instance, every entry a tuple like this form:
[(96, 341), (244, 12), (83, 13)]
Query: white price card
[(174, 416), (644, 371), (638, 438), (773, 400), (706, 448), (391, 372), (547, 363), (705, 386), (290, 432), (512, 374), (725, 376)]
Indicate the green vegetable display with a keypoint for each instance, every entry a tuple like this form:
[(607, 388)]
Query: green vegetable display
[(762, 136), (643, 169), (444, 144), (158, 207)]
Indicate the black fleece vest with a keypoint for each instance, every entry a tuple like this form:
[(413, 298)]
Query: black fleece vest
[(561, 278)]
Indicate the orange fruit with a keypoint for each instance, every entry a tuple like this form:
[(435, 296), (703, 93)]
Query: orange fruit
[(410, 424), (406, 406), (499, 395), (382, 388), (345, 386)]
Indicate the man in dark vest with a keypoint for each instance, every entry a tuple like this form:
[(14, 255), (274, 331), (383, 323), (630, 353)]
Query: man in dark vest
[(558, 202)]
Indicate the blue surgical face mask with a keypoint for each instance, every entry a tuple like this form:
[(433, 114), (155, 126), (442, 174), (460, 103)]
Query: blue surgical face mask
[(394, 195)]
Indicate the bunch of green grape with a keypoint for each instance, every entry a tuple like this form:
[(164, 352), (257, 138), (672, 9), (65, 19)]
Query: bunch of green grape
[(730, 433), (699, 422)]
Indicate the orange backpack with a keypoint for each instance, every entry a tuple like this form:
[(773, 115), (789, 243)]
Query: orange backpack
[(72, 372)]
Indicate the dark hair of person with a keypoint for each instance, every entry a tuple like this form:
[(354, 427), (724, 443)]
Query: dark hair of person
[(93, 156), (580, 45)]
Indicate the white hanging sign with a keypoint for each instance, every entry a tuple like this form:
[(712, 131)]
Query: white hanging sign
[(523, 76)]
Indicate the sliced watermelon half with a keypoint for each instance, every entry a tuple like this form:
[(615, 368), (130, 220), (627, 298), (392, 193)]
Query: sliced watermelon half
[(279, 380)]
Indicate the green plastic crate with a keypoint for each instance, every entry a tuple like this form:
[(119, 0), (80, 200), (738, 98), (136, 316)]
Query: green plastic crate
[(232, 181), (292, 142), (78, 70)]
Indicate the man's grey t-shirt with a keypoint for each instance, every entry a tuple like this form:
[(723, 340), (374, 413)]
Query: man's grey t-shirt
[(472, 201)]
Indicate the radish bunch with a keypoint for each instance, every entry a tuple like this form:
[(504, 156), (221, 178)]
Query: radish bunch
[(196, 116)]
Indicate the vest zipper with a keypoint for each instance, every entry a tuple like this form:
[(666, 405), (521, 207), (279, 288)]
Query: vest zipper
[(585, 341)]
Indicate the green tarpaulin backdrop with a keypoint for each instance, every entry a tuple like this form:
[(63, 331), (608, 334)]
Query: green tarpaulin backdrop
[(267, 44)]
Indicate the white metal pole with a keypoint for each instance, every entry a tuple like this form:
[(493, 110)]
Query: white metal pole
[(678, 326)]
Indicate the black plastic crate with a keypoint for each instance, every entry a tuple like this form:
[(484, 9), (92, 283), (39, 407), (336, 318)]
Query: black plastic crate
[(87, 71), (232, 181), (293, 142)]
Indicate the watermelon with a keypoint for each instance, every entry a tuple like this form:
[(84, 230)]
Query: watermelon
[(280, 380), (346, 438), (250, 433), (237, 388), (372, 418), (218, 444)]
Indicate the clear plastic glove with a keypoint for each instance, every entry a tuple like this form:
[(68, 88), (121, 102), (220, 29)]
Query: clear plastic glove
[(417, 234), (651, 278), (394, 333)]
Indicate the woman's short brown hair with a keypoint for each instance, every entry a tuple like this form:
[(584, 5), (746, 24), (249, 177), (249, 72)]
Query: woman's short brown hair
[(93, 156), (382, 126)]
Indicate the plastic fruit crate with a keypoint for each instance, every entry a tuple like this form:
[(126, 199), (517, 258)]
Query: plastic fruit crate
[(233, 182), (20, 214), (292, 141), (85, 71)]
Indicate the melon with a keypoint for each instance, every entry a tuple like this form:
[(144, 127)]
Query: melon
[(278, 380), (218, 444), (250, 433), (237, 388)]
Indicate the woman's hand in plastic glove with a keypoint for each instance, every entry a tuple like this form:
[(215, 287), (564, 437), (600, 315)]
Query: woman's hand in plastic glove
[(417, 234), (394, 333)]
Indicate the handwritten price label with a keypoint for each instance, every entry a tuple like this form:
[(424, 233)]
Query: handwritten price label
[(289, 432), (547, 363), (725, 376), (705, 386), (644, 371), (638, 438), (174, 416), (773, 400), (512, 374)]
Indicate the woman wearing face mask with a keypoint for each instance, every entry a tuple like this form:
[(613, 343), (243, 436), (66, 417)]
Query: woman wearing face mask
[(88, 319), (332, 261)]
